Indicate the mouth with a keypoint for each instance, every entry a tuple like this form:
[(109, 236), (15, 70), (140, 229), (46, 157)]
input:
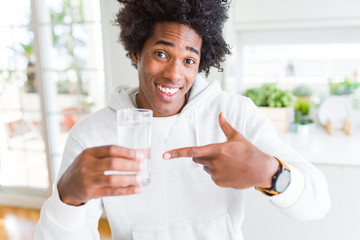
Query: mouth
[(166, 90)]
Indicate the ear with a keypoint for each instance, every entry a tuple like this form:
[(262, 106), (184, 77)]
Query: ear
[(134, 58)]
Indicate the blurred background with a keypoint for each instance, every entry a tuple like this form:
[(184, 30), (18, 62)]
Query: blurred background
[(299, 61)]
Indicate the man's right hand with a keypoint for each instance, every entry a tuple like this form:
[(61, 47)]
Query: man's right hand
[(85, 179)]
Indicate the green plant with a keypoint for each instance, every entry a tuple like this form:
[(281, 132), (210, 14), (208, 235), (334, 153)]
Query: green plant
[(256, 95), (302, 91), (28, 50), (6, 76), (302, 111), (345, 87), (303, 107), (30, 85), (268, 95), (87, 103), (65, 86), (66, 20)]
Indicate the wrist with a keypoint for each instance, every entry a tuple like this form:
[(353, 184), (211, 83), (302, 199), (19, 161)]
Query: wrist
[(67, 200), (280, 180), (272, 165)]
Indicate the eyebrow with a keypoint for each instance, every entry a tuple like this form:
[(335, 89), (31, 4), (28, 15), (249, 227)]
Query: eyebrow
[(170, 44)]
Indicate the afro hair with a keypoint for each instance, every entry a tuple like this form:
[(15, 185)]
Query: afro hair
[(137, 18)]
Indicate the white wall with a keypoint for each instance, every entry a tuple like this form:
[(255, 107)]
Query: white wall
[(118, 68), (296, 11)]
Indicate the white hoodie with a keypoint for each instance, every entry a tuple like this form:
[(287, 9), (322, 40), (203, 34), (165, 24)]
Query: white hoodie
[(181, 202)]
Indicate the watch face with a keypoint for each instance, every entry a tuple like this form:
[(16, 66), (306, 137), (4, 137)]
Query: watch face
[(282, 181)]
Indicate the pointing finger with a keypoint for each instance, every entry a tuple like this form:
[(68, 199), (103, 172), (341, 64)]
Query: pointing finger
[(203, 151)]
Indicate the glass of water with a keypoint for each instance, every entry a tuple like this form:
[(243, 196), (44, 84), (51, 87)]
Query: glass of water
[(134, 131)]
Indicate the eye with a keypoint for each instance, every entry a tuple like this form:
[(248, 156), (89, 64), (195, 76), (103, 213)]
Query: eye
[(160, 54), (189, 61)]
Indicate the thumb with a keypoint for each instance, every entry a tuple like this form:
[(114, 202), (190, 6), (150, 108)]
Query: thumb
[(228, 130)]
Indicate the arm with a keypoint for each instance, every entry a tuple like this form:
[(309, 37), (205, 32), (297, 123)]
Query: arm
[(239, 163), (75, 206), (307, 197), (235, 163)]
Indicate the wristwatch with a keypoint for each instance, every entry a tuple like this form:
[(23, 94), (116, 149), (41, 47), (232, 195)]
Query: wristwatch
[(280, 181)]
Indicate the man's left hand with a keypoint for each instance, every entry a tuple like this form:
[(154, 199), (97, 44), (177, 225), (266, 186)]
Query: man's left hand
[(236, 163)]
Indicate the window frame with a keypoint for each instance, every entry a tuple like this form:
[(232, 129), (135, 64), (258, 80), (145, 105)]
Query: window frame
[(30, 196)]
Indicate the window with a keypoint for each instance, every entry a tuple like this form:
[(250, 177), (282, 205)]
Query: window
[(293, 56), (23, 156), (301, 63), (51, 75)]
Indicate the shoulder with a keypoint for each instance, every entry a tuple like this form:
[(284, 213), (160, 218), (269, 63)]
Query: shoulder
[(241, 112), (95, 128), (101, 116), (230, 101)]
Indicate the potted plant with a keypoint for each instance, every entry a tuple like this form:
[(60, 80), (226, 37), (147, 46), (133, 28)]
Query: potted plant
[(346, 87), (30, 85), (302, 92), (303, 124), (274, 102)]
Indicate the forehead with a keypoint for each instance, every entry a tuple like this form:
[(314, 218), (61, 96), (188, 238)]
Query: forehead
[(178, 34)]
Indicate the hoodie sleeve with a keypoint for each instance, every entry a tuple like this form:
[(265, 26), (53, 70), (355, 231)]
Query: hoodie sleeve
[(307, 197), (61, 221)]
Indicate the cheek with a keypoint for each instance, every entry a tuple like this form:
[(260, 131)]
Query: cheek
[(193, 72), (150, 71), (144, 75)]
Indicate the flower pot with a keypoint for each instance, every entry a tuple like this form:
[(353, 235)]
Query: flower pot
[(280, 117), (303, 130)]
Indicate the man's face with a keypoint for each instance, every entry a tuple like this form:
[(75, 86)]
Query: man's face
[(167, 67)]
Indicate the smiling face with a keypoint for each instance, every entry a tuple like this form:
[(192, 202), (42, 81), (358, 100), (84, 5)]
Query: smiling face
[(167, 67)]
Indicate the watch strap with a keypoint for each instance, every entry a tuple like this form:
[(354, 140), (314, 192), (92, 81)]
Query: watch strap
[(272, 190)]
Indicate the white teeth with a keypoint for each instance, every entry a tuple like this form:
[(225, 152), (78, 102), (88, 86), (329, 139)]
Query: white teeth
[(167, 90)]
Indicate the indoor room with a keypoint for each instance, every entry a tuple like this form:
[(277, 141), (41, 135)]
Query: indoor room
[(298, 61)]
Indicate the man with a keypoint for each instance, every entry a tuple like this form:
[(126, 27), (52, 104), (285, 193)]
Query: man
[(199, 163)]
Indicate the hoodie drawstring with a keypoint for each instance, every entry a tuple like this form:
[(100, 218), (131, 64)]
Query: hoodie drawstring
[(196, 132)]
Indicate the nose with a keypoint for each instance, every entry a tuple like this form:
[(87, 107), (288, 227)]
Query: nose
[(173, 70)]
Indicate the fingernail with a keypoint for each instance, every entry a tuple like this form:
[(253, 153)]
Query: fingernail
[(141, 166), (139, 155), (138, 178), (167, 156), (138, 189)]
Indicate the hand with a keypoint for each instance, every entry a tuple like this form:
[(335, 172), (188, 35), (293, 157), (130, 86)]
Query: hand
[(85, 178), (236, 163)]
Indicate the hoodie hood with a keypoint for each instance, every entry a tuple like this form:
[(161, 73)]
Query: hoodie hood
[(199, 92), (120, 97)]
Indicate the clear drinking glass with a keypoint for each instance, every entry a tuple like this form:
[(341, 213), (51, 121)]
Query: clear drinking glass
[(134, 131)]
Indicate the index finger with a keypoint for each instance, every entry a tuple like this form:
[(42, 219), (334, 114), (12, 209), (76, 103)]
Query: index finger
[(202, 151), (116, 151)]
